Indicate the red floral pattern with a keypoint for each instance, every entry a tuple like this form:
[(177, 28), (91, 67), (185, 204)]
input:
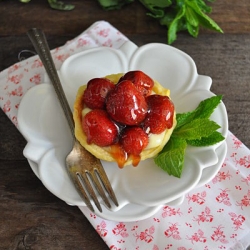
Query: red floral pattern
[(215, 216)]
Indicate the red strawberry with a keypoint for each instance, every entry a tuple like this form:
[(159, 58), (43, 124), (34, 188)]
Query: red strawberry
[(160, 114), (134, 140), (99, 129), (125, 104), (96, 92), (142, 81)]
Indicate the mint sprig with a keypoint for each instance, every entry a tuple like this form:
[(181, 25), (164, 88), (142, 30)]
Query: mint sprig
[(193, 128), (176, 15)]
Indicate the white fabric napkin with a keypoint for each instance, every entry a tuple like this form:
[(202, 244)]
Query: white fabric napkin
[(214, 216)]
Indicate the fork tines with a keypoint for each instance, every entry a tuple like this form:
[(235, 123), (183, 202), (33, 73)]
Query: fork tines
[(96, 180)]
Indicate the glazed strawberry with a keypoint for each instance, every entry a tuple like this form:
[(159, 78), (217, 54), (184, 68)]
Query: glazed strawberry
[(125, 104), (160, 114), (96, 92), (142, 81), (134, 140), (99, 129)]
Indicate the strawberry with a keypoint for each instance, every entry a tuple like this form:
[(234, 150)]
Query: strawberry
[(143, 82), (160, 114), (96, 92), (125, 104), (134, 140), (99, 129)]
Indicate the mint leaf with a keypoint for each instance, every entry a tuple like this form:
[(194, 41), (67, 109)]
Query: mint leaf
[(174, 25), (157, 7), (196, 129), (212, 139), (193, 30), (191, 17), (204, 110), (205, 8), (171, 158), (156, 3), (207, 106), (59, 5), (204, 20), (113, 4), (193, 128)]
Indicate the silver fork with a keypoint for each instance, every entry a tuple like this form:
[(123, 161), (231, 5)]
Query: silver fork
[(84, 169)]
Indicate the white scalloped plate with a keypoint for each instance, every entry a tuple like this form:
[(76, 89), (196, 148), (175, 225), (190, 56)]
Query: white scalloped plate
[(42, 123)]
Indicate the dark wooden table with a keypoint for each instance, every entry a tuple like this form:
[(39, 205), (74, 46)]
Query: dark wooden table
[(30, 216)]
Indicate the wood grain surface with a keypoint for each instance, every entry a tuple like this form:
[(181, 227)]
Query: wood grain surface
[(30, 216)]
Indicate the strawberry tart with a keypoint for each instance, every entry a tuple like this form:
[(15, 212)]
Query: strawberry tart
[(124, 118)]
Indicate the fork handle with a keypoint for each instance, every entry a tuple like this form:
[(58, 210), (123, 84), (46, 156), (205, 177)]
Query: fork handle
[(40, 44)]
